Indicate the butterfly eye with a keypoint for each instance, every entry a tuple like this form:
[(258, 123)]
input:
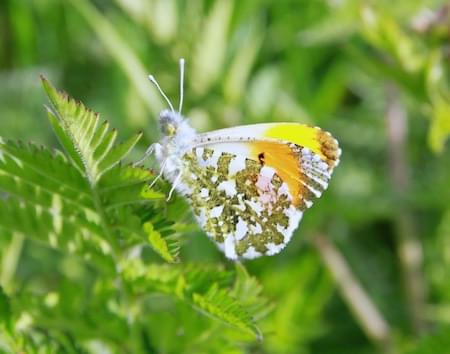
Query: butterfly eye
[(169, 129)]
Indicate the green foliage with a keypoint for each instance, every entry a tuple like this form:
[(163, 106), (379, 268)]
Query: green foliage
[(71, 206), (92, 260), (89, 145), (91, 211), (437, 342)]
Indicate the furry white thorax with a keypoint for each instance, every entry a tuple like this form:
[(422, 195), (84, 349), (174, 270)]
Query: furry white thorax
[(178, 138)]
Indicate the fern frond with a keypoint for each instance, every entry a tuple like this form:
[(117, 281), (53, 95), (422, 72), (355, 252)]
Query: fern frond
[(73, 235), (249, 292), (123, 185), (83, 316), (78, 129), (22, 174), (89, 144), (199, 279), (219, 304), (159, 244), (88, 200), (137, 231), (192, 285)]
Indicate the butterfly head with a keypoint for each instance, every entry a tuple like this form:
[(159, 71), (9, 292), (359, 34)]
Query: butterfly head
[(169, 122)]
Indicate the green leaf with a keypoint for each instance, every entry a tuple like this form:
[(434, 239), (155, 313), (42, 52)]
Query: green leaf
[(126, 185), (220, 305), (89, 146), (51, 227), (5, 308), (86, 204), (201, 286), (249, 292), (159, 244), (440, 124), (437, 342), (65, 141), (118, 152), (36, 174), (149, 193)]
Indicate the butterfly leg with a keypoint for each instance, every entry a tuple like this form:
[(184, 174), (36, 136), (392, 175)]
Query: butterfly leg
[(163, 165), (174, 185), (148, 152)]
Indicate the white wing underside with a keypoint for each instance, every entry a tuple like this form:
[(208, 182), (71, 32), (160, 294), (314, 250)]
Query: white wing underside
[(244, 221)]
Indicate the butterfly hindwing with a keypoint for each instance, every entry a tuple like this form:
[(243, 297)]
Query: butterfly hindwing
[(242, 205), (249, 196)]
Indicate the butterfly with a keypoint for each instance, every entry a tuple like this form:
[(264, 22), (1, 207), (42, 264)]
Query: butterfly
[(249, 185)]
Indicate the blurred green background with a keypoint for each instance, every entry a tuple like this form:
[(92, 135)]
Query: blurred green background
[(369, 268)]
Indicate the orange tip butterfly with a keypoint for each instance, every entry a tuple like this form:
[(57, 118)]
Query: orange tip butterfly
[(248, 185)]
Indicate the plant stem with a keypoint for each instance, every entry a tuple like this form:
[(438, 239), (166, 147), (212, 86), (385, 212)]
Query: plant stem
[(408, 243), (10, 261), (359, 302)]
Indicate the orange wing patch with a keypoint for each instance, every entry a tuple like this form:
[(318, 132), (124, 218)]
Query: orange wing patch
[(282, 159), (305, 173)]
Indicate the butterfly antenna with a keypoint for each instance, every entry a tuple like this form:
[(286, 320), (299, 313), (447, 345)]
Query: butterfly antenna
[(181, 84), (154, 82)]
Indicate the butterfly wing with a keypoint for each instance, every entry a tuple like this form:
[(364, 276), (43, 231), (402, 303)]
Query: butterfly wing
[(249, 190), (315, 139)]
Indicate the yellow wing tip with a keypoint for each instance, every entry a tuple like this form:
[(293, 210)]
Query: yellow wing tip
[(314, 138)]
